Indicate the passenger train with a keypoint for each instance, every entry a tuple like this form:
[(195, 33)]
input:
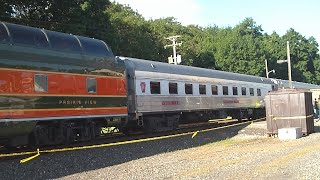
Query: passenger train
[(59, 88)]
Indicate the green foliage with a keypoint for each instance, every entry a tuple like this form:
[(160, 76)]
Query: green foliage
[(241, 49), (130, 33)]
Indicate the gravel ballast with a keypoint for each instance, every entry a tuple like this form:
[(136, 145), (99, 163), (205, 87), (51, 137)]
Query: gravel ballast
[(242, 152)]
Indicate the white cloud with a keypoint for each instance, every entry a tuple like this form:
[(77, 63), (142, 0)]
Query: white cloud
[(185, 11)]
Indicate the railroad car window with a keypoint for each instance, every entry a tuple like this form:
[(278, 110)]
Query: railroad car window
[(155, 87), (251, 92), (63, 42), (225, 90), (235, 90), (188, 89), (173, 88), (91, 85), (214, 90), (94, 47), (202, 89), (40, 83), (258, 92), (27, 35), (4, 38), (244, 91)]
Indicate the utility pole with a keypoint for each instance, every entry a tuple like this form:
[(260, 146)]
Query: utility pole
[(289, 65), (174, 45)]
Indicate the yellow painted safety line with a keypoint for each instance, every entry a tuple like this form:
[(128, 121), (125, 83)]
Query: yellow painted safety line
[(30, 158), (293, 117), (17, 154), (231, 125), (194, 134), (118, 143)]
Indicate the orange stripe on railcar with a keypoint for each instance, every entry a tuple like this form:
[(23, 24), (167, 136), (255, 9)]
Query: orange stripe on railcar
[(60, 95), (62, 73), (13, 81)]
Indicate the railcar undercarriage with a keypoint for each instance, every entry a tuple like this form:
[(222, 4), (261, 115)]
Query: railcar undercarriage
[(65, 131), (158, 122), (75, 130)]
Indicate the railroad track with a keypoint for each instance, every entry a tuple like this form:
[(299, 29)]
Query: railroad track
[(120, 139)]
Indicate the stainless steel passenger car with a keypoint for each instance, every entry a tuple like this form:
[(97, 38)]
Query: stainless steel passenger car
[(162, 95)]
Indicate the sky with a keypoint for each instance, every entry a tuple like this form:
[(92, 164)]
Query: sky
[(273, 15)]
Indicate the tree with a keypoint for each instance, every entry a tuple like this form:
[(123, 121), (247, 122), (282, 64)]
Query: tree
[(240, 49), (5, 9), (303, 53), (130, 33), (72, 16)]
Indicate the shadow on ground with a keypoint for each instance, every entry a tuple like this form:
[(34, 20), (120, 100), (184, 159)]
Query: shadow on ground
[(317, 126), (56, 165)]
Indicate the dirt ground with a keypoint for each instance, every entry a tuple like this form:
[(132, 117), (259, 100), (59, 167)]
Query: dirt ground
[(248, 155)]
